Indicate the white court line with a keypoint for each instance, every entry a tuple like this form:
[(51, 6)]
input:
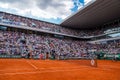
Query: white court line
[(46, 68), (35, 72), (32, 65), (85, 67), (40, 72), (16, 69)]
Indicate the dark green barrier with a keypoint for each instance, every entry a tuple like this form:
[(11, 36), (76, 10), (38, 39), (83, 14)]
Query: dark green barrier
[(10, 56)]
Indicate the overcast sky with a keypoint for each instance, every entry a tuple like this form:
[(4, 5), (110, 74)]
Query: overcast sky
[(48, 10)]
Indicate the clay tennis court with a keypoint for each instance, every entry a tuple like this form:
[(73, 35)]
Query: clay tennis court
[(25, 69)]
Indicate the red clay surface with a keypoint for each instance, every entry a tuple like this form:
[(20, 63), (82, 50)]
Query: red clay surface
[(24, 69)]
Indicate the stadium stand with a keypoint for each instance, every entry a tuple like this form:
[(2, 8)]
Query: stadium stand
[(20, 42), (11, 19), (28, 22)]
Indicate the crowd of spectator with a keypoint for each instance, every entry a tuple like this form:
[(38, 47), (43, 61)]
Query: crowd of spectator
[(17, 43), (110, 47), (29, 22)]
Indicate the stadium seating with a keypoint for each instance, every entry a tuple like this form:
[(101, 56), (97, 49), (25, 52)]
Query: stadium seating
[(16, 44), (23, 21)]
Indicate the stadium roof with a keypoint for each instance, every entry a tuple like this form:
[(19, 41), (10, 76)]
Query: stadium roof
[(95, 13)]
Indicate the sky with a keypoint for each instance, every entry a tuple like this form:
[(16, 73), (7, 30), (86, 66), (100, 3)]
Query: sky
[(53, 11)]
